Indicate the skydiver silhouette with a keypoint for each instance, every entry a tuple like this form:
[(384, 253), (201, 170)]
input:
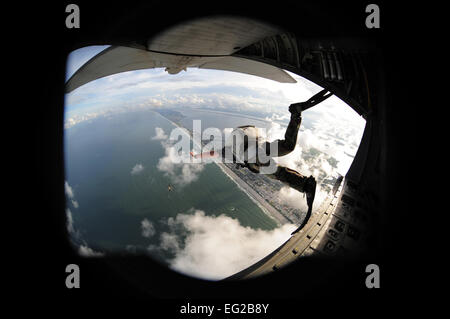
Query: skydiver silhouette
[(294, 179)]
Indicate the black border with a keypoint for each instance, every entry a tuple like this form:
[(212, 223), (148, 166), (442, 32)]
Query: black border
[(39, 259)]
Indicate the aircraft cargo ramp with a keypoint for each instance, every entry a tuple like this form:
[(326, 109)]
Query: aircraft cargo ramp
[(337, 228)]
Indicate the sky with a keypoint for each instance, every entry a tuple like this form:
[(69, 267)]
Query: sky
[(333, 128), (230, 91), (333, 120)]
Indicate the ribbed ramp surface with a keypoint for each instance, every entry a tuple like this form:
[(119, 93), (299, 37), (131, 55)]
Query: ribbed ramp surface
[(335, 228)]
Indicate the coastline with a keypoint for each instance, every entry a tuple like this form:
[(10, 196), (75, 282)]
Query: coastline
[(268, 209)]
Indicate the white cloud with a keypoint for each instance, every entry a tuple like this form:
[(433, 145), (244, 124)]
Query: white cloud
[(296, 199), (160, 135), (70, 194), (177, 166), (169, 242), (73, 232), (70, 228), (83, 249), (321, 151), (147, 228), (138, 168), (218, 246), (86, 251), (75, 203), (68, 190)]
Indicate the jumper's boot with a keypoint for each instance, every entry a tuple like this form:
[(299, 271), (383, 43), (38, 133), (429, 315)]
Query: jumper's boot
[(296, 109), (310, 191)]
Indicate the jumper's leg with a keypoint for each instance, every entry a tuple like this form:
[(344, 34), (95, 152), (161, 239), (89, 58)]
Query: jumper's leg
[(301, 183), (291, 177)]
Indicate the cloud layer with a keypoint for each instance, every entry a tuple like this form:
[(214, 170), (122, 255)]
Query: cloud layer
[(216, 247), (75, 234), (154, 88), (86, 251), (70, 194)]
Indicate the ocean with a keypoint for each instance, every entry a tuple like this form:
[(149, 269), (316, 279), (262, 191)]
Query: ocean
[(112, 202)]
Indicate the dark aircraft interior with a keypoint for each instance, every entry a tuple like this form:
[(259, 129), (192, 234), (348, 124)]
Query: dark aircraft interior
[(326, 43)]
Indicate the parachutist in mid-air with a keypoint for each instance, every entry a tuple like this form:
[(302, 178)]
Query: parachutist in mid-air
[(249, 134)]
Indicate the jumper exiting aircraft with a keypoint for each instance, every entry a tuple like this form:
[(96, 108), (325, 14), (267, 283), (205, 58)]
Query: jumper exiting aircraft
[(247, 156)]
